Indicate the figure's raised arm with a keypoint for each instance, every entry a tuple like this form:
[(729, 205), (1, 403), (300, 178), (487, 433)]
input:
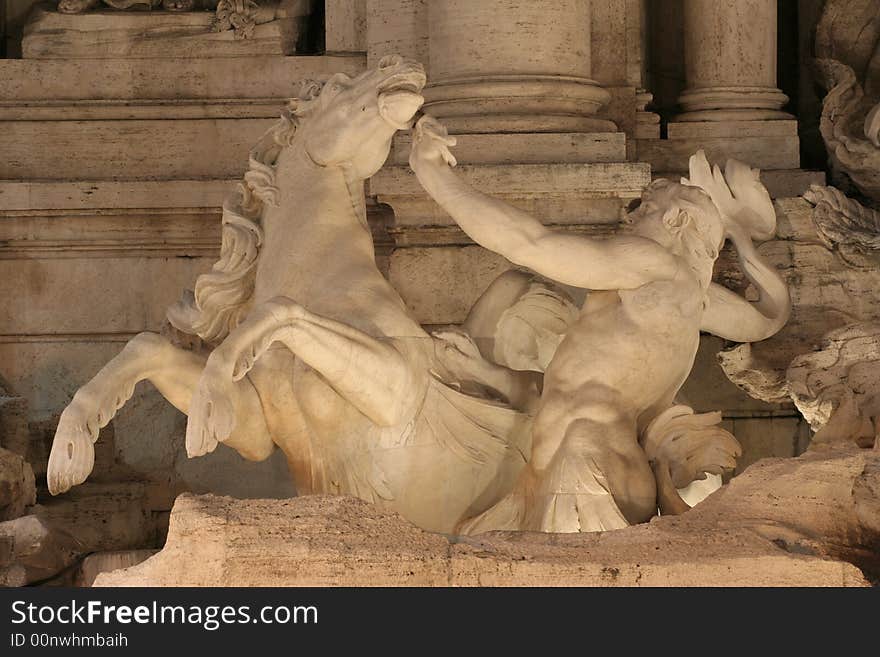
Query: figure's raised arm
[(747, 213), (623, 262), (731, 317)]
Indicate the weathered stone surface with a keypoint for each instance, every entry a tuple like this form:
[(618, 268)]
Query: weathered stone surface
[(836, 387), (782, 522), (36, 86), (790, 183), (95, 517), (345, 24), (128, 149), (736, 129), (526, 148), (17, 489), (14, 434), (766, 437), (30, 550), (756, 151)]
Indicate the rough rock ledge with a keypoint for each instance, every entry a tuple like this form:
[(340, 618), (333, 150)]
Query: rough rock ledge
[(808, 521)]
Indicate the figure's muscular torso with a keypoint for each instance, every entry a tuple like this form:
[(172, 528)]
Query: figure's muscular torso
[(624, 358)]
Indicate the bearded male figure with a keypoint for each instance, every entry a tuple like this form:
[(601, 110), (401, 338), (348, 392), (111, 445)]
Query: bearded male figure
[(625, 357)]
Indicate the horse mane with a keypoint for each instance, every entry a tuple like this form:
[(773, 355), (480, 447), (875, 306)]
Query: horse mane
[(222, 297)]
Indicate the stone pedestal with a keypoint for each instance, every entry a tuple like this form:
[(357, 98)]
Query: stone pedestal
[(512, 66)]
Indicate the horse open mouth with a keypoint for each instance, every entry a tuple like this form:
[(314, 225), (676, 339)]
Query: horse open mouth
[(400, 98), (398, 108)]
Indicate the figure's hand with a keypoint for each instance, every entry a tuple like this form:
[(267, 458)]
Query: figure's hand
[(430, 144), (738, 194)]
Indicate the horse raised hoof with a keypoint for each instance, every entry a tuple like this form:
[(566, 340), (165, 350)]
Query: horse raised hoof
[(247, 347), (211, 413), (73, 452)]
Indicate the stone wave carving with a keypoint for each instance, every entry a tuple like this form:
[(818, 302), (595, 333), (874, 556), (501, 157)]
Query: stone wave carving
[(847, 46), (837, 387), (845, 225)]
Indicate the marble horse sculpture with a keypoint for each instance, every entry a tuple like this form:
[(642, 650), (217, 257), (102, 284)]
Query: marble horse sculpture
[(313, 350)]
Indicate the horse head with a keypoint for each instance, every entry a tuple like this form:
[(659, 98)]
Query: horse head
[(350, 122)]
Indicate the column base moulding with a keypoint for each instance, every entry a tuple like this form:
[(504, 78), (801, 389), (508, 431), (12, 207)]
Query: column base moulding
[(512, 103), (733, 104)]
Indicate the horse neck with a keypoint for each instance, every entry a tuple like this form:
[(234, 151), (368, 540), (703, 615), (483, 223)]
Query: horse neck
[(321, 218), (328, 195)]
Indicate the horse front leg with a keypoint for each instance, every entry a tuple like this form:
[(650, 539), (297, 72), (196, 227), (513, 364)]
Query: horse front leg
[(369, 373), (174, 372)]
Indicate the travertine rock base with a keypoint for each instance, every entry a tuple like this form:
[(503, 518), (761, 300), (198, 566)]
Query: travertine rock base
[(784, 522), (17, 491), (57, 534), (102, 562)]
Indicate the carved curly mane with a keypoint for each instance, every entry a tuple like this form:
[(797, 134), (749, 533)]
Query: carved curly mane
[(222, 297)]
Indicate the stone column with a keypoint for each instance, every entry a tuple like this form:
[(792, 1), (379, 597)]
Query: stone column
[(730, 61), (512, 66), (345, 26)]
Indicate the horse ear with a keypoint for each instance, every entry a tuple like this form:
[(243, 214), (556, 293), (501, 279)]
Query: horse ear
[(675, 218)]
